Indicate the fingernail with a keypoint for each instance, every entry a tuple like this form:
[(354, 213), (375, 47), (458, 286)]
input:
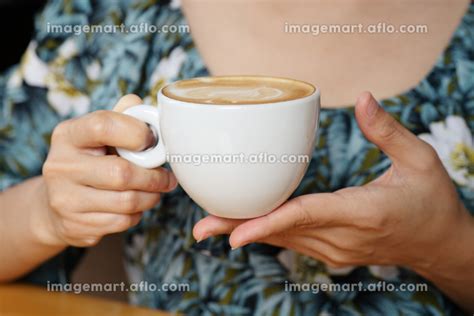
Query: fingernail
[(173, 182), (233, 247), (372, 107), (203, 237), (150, 140)]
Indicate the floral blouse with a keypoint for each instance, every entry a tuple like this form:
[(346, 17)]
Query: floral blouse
[(63, 75)]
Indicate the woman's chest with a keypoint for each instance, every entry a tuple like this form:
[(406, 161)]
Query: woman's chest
[(285, 39)]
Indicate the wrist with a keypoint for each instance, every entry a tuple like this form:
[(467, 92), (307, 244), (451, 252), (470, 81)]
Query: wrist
[(42, 221)]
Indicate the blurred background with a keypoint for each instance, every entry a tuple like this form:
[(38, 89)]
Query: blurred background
[(16, 28)]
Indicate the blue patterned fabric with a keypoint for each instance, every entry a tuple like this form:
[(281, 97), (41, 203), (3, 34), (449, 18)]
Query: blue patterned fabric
[(65, 75)]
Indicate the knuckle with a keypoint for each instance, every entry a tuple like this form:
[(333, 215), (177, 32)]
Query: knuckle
[(155, 200), (61, 231), (60, 131), (101, 123), (389, 130), (121, 222), (430, 159), (54, 166), (303, 216), (57, 202), (375, 221), (347, 244), (128, 201), (367, 251), (283, 236), (90, 242), (338, 261), (49, 168), (124, 222), (121, 172), (67, 228), (159, 181)]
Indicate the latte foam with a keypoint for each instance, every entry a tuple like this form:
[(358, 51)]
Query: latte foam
[(238, 90)]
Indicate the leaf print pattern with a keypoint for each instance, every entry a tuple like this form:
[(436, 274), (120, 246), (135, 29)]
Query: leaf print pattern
[(65, 75), (452, 140)]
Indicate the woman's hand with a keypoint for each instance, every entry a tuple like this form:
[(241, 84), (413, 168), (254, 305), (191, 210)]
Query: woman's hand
[(410, 216), (92, 194)]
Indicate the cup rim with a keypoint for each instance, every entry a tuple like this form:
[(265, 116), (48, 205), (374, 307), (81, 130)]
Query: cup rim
[(316, 92)]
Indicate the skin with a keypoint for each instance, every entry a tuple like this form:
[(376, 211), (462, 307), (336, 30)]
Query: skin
[(83, 193), (250, 39), (410, 216)]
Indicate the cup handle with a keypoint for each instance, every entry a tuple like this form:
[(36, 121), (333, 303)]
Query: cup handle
[(152, 157)]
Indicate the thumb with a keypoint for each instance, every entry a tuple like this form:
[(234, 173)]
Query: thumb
[(127, 101), (379, 127)]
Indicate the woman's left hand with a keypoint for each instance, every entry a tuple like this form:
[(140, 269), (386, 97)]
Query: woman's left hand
[(410, 216)]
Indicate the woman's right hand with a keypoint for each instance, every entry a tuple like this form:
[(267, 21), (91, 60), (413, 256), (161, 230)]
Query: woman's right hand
[(90, 193)]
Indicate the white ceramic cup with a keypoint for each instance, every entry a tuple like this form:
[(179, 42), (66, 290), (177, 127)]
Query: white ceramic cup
[(246, 174)]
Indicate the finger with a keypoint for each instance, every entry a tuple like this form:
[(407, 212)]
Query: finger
[(390, 136), (115, 173), (127, 101), (87, 199), (100, 224), (313, 248), (108, 128), (313, 209), (325, 253), (213, 226), (87, 229), (82, 242), (344, 239)]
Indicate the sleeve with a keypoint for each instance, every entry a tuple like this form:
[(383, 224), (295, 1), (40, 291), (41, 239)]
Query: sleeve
[(26, 123)]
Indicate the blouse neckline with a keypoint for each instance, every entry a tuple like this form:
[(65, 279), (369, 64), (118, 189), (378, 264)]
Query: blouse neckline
[(430, 73)]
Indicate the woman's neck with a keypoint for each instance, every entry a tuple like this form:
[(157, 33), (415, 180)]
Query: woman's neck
[(248, 37)]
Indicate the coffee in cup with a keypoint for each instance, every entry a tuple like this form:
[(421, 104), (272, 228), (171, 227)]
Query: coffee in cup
[(238, 90)]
